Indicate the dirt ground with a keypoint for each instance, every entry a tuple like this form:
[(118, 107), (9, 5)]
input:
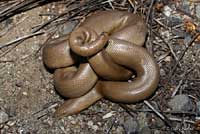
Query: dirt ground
[(28, 96)]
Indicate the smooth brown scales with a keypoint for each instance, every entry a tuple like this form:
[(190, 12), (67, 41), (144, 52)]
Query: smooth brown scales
[(110, 44)]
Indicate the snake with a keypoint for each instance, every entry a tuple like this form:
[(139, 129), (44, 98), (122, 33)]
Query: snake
[(99, 58)]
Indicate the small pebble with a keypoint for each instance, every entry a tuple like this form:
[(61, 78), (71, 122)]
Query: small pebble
[(162, 72), (62, 128), (181, 103), (145, 130), (198, 11), (186, 6), (157, 132), (73, 122), (108, 115), (167, 11), (35, 46), (90, 123), (167, 59), (157, 122), (142, 120), (187, 38), (165, 34), (131, 126), (120, 130), (11, 123), (3, 117), (95, 127), (25, 93)]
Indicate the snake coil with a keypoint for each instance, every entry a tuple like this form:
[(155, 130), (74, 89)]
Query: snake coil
[(107, 48)]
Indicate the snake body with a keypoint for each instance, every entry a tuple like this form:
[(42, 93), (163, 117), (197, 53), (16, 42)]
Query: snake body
[(106, 48)]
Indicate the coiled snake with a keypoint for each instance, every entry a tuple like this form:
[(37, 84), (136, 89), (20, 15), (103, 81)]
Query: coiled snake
[(98, 58)]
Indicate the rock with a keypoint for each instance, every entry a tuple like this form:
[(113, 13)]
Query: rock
[(121, 120), (181, 103), (174, 20), (168, 59), (145, 130), (187, 38), (67, 28), (120, 130), (131, 126), (11, 110), (167, 11), (162, 72), (157, 132), (142, 120), (156, 122), (198, 11), (108, 115), (91, 125), (186, 6), (3, 117)]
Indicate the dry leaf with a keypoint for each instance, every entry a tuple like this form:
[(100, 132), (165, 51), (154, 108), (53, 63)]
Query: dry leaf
[(189, 26), (197, 125), (159, 7)]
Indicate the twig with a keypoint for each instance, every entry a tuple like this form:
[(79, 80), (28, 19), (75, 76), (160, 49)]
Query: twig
[(43, 112), (8, 50), (183, 53), (22, 6), (3, 32), (154, 110), (9, 27), (111, 126), (160, 23), (149, 44), (10, 7), (177, 88), (127, 109), (131, 3), (162, 57), (20, 39), (110, 3), (6, 61), (181, 120), (168, 45), (181, 81), (35, 32), (149, 11), (168, 112), (164, 118), (79, 8)]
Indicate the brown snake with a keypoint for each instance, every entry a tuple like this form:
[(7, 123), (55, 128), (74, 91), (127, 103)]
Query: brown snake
[(107, 48)]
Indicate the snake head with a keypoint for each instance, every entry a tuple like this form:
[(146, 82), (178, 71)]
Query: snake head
[(85, 42)]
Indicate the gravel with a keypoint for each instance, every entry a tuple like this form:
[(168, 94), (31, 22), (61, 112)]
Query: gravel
[(131, 126), (181, 103), (3, 117)]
